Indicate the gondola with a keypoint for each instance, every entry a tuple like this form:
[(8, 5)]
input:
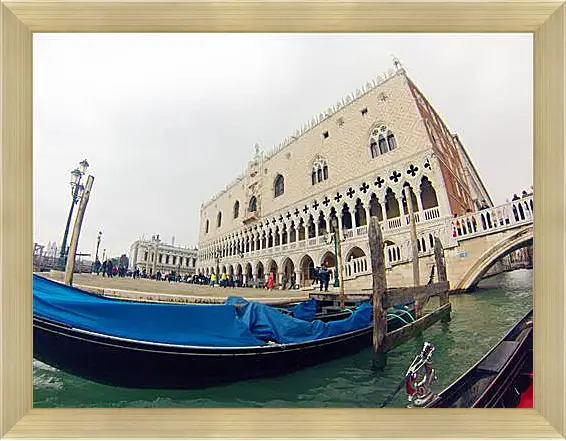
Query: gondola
[(161, 346), (501, 379)]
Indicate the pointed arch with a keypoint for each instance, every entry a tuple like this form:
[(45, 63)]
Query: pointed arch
[(321, 223), (236, 209), (279, 185), (307, 270), (360, 213), (259, 271), (354, 253), (310, 227), (428, 194), (382, 145), (219, 219), (391, 204), (346, 217), (292, 233), (252, 205), (329, 258), (375, 208)]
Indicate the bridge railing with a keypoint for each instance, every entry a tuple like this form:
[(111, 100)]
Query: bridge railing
[(492, 219)]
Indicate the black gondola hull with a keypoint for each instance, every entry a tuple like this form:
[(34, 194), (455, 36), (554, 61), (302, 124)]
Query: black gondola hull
[(132, 364), (135, 364), (498, 379)]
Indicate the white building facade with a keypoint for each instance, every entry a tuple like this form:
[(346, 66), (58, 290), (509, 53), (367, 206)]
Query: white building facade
[(153, 255), (349, 163)]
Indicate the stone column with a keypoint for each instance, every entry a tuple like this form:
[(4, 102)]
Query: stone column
[(383, 210), (419, 202), (298, 278)]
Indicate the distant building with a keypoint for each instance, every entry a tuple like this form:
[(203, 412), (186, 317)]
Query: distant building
[(154, 255)]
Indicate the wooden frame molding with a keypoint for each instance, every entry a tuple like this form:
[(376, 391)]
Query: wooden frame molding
[(20, 19)]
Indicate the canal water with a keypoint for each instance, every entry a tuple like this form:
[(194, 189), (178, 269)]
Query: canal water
[(479, 320)]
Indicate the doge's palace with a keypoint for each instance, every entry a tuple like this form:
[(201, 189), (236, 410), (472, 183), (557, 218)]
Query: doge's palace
[(357, 159)]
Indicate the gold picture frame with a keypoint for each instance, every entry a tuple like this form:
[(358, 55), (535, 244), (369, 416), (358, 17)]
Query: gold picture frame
[(19, 19)]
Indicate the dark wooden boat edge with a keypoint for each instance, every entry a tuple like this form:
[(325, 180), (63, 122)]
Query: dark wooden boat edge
[(504, 377)]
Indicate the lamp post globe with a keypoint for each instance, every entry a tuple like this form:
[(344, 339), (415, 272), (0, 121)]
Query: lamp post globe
[(76, 189)]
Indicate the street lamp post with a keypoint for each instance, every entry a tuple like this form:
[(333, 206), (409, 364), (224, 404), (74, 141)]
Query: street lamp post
[(336, 278), (338, 254), (97, 245), (76, 176)]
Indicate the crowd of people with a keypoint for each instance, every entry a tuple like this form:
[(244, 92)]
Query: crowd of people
[(108, 269), (500, 216), (321, 277)]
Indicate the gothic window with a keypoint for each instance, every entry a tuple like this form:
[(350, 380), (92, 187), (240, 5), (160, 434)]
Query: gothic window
[(253, 204), (382, 145), (207, 225), (373, 148), (279, 185), (236, 209), (382, 140), (319, 170), (219, 219)]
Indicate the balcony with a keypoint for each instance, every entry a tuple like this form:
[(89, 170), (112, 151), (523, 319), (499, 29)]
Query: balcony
[(250, 217)]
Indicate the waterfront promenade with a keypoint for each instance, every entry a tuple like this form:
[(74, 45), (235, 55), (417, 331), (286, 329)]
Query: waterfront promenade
[(146, 289)]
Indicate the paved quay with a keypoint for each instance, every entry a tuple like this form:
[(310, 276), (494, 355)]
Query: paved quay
[(174, 292)]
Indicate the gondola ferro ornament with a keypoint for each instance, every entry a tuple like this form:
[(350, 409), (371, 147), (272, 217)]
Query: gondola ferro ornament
[(419, 377)]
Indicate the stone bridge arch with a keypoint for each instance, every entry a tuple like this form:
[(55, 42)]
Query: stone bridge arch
[(513, 242)]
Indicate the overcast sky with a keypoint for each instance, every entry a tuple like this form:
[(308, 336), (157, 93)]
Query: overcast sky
[(166, 120)]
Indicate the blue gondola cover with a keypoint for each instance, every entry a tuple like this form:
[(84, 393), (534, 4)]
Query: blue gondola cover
[(237, 323)]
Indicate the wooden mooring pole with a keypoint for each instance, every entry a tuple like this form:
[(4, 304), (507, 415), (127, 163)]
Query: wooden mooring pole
[(442, 276), (77, 231), (414, 245), (379, 287)]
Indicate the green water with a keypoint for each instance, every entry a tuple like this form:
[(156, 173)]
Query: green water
[(479, 320)]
